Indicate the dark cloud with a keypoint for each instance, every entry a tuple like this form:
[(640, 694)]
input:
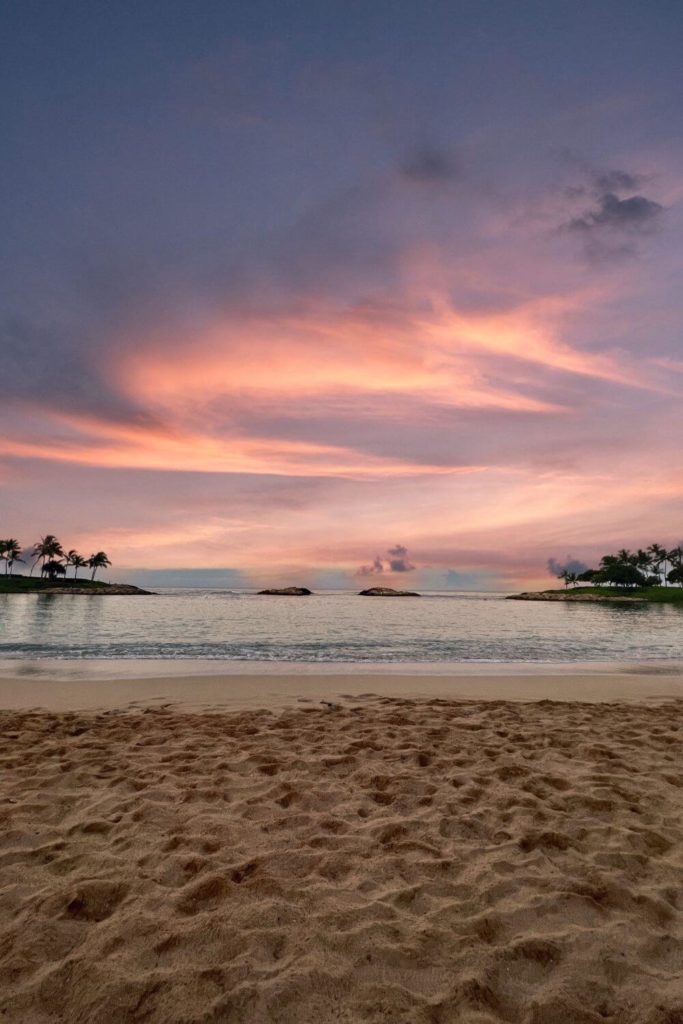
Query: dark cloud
[(398, 559), (555, 567), (428, 164), (395, 560), (617, 181), (636, 213), (52, 364), (374, 569), (612, 226)]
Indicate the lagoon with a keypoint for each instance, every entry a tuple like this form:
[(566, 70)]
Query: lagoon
[(335, 627)]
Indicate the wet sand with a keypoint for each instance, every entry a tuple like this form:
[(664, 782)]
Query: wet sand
[(64, 685), (378, 858)]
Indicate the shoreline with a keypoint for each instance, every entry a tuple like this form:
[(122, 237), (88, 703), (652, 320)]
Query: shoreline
[(672, 595), (54, 685)]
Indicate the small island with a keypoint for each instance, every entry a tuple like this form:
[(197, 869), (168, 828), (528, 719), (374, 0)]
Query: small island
[(52, 571), (647, 576), (387, 592), (77, 588), (287, 592)]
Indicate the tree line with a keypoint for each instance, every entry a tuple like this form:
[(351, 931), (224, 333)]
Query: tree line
[(54, 560), (654, 566)]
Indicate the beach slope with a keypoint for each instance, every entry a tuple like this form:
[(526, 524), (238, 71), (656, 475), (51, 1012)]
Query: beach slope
[(374, 859)]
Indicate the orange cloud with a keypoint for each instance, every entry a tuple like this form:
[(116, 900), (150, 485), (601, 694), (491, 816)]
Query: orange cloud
[(523, 334), (363, 353), (201, 387), (112, 445), (462, 360)]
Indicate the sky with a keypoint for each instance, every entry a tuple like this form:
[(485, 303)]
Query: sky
[(328, 292)]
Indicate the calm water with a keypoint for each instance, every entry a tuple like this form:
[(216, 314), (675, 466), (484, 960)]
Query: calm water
[(334, 627)]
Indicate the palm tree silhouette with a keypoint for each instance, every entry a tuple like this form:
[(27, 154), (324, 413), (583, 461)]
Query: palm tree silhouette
[(675, 557), (658, 558), (608, 562), (48, 547), (98, 561), (643, 561), (77, 561), (11, 553), (53, 568)]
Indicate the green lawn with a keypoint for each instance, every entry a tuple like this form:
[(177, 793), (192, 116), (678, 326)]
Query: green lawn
[(30, 584), (656, 595)]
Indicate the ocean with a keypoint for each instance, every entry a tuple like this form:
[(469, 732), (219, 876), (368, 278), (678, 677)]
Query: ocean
[(335, 627)]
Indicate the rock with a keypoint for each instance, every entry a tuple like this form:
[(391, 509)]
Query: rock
[(288, 592), (387, 592)]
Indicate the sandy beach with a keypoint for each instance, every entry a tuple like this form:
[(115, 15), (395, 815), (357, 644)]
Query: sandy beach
[(384, 857)]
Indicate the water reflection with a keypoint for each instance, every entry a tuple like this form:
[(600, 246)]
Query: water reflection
[(44, 619), (618, 608)]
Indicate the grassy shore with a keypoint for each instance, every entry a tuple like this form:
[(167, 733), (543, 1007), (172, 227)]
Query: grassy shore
[(651, 595), (36, 584), (28, 584)]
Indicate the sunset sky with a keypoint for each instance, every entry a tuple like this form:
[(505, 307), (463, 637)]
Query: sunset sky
[(320, 292)]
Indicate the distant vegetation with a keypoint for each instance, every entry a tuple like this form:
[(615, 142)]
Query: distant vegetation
[(54, 560), (36, 585), (650, 567)]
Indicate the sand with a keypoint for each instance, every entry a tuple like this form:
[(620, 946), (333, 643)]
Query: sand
[(383, 859)]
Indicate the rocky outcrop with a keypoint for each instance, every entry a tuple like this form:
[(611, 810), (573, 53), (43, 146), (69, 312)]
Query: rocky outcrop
[(387, 592), (288, 592), (567, 595)]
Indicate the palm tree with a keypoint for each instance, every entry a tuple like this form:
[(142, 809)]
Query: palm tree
[(643, 561), (98, 561), (607, 562), (562, 575), (659, 555), (77, 561), (11, 554), (53, 568), (3, 549), (675, 557), (48, 547), (572, 578)]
